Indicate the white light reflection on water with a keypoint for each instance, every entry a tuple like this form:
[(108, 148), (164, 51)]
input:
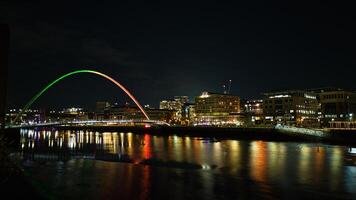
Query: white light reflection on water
[(227, 164)]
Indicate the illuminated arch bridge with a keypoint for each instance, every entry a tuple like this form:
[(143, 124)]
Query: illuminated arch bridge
[(27, 106)]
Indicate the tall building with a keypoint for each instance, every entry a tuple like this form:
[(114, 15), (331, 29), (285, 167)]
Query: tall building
[(182, 99), (4, 49), (294, 107), (176, 105), (170, 105), (188, 113), (128, 112), (217, 109), (336, 104)]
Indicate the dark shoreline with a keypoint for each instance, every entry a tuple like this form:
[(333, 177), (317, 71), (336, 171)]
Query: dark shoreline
[(12, 175)]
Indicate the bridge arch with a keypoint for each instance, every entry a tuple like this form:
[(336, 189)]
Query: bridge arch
[(78, 72)]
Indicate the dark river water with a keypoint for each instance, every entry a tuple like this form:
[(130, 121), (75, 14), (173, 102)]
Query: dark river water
[(115, 165)]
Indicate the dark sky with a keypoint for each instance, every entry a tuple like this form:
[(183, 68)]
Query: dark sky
[(161, 50)]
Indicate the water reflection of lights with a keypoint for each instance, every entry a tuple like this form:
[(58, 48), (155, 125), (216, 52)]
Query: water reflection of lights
[(72, 142), (122, 140), (277, 154), (129, 137), (30, 133), (304, 163), (147, 146), (258, 161), (265, 161), (234, 145), (218, 152), (175, 139)]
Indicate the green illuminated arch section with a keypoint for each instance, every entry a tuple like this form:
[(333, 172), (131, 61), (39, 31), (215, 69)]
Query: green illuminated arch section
[(78, 72)]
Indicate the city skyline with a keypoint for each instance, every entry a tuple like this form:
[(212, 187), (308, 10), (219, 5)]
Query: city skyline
[(177, 100), (167, 48), (125, 100)]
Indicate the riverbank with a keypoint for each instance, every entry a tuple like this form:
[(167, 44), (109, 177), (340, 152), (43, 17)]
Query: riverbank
[(12, 176)]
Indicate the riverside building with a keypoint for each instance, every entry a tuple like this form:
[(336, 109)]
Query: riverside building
[(293, 107), (177, 105), (253, 110), (336, 105), (217, 109)]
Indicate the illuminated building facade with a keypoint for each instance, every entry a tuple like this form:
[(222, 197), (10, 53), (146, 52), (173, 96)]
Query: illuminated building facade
[(29, 116), (253, 110), (182, 99), (188, 113), (67, 114), (336, 104), (217, 109), (127, 112), (170, 105), (294, 107), (176, 105)]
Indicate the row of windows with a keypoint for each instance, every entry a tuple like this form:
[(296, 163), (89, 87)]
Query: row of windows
[(334, 96), (279, 101), (217, 108)]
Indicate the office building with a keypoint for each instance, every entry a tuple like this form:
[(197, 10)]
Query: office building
[(336, 104), (182, 99), (293, 107), (128, 112), (253, 111), (176, 105), (170, 105), (217, 109), (188, 113)]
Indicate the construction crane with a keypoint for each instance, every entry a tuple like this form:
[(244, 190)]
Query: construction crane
[(228, 91), (224, 89)]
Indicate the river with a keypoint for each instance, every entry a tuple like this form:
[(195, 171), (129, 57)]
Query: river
[(69, 164)]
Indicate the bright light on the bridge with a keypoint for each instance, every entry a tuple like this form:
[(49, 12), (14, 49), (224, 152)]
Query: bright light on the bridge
[(205, 167), (352, 150)]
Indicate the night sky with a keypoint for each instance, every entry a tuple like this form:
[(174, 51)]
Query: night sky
[(161, 50)]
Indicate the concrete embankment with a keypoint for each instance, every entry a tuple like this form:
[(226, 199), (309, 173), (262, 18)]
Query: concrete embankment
[(320, 135)]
